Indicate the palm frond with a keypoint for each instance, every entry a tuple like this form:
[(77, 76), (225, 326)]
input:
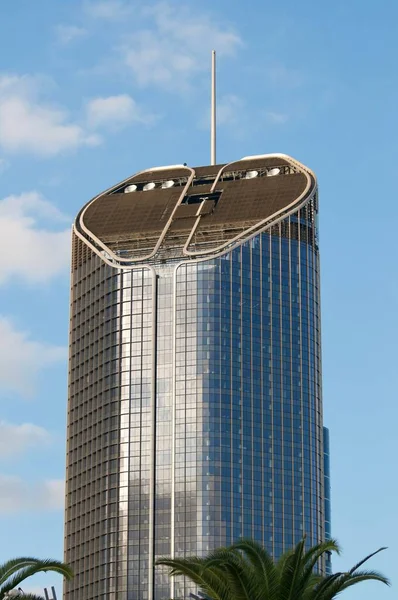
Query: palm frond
[(14, 564), (317, 593), (39, 566), (310, 559), (239, 579), (210, 580), (348, 580), (238, 572), (312, 583), (290, 574), (280, 563), (364, 560), (262, 563), (334, 585), (246, 571), (32, 597), (222, 555), (319, 549)]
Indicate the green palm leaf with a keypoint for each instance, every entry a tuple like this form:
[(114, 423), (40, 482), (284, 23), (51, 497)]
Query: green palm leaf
[(9, 567), (210, 581), (309, 561), (262, 564), (246, 571), (16, 570), (32, 597)]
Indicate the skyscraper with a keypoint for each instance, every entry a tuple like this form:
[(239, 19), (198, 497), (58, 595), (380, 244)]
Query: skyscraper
[(195, 396)]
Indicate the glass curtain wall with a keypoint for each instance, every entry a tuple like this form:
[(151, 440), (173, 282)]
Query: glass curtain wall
[(230, 349), (249, 433)]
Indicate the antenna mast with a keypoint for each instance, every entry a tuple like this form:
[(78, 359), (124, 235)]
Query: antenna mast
[(213, 110)]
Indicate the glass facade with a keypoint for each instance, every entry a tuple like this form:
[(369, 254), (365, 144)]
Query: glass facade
[(327, 493), (195, 410)]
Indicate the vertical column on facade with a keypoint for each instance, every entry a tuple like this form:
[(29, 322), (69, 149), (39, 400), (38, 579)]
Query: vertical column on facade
[(318, 375), (177, 272), (251, 387), (246, 391), (152, 472), (241, 395), (224, 332), (263, 538), (256, 379), (316, 429), (236, 384), (293, 348), (216, 373), (271, 452), (309, 399), (302, 411), (124, 430), (231, 394), (281, 459), (135, 462)]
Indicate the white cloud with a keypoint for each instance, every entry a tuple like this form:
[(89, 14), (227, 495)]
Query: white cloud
[(231, 113), (282, 76), (276, 118), (4, 164), (29, 250), (16, 439), (68, 33), (115, 111), (230, 110), (107, 9), (17, 495), (21, 358), (28, 126), (176, 46), (55, 493)]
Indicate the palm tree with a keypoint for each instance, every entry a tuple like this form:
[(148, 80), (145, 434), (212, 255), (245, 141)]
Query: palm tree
[(15, 571), (246, 571)]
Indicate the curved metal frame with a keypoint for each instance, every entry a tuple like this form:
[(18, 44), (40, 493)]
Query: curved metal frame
[(117, 261), (253, 227), (162, 235)]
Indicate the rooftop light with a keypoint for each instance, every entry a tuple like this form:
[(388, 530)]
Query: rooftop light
[(273, 172), (168, 184), (130, 188)]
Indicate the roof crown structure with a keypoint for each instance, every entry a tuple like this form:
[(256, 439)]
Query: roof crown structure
[(179, 211)]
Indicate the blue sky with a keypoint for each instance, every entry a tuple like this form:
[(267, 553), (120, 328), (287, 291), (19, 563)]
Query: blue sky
[(91, 92)]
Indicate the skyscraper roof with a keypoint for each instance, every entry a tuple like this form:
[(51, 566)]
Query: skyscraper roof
[(193, 210)]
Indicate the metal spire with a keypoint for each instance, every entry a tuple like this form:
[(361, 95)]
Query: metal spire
[(213, 110)]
